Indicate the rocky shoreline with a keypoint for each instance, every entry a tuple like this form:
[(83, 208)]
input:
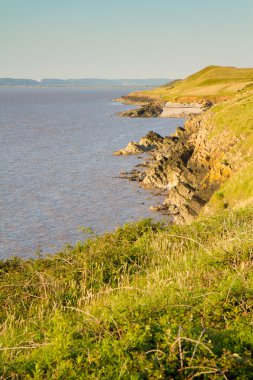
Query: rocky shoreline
[(153, 108), (187, 166)]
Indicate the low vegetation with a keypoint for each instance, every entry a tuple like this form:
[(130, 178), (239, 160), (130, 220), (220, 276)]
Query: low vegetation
[(235, 118), (235, 115), (215, 83), (145, 302)]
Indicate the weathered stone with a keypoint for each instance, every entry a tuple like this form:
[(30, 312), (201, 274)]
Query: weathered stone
[(187, 166), (132, 148), (147, 143), (152, 139), (148, 110)]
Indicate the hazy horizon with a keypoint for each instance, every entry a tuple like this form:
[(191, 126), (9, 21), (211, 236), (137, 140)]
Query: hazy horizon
[(121, 40), (81, 78)]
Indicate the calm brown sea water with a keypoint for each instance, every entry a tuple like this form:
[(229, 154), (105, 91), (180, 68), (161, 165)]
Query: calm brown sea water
[(57, 168)]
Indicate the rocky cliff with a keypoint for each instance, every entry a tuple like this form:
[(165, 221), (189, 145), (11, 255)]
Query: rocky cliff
[(188, 166), (208, 164)]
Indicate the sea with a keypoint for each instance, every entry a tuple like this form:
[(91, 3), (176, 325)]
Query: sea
[(57, 169)]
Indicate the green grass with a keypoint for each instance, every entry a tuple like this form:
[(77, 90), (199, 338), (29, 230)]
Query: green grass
[(236, 191), (147, 301), (235, 119), (144, 302), (235, 115), (213, 82)]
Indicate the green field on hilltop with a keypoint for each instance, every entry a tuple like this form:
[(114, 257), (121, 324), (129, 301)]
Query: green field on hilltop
[(213, 82)]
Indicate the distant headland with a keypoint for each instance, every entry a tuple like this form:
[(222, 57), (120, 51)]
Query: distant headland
[(85, 82)]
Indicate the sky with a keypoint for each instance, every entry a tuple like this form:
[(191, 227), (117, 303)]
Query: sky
[(122, 38)]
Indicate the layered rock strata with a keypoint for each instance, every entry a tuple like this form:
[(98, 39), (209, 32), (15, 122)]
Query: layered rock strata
[(187, 166)]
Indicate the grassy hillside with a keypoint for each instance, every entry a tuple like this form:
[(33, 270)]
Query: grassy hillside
[(147, 301), (235, 118), (144, 302), (216, 83)]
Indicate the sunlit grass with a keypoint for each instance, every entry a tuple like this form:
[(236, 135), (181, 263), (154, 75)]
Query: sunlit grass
[(147, 301), (236, 191), (235, 115), (214, 82)]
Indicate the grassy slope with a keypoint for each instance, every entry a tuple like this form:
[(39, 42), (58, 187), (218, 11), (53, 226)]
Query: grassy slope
[(145, 302), (236, 118), (214, 82)]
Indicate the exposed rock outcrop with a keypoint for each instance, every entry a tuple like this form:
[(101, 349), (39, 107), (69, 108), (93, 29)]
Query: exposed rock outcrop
[(147, 143), (147, 110), (188, 166)]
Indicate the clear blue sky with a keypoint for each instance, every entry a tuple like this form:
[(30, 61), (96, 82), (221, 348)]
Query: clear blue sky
[(122, 38)]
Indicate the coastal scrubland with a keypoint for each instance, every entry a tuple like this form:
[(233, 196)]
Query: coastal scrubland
[(149, 300)]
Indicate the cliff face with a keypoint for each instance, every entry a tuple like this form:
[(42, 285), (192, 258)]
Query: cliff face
[(193, 168), (188, 166), (208, 164)]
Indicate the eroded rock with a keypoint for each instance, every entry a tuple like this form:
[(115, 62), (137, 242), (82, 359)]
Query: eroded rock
[(148, 143), (148, 110), (131, 148), (187, 166)]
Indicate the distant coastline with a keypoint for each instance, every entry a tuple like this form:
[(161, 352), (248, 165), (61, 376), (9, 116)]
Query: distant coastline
[(85, 82)]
